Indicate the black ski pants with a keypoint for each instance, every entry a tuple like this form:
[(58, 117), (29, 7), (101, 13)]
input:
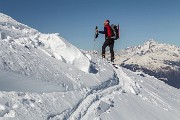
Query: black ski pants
[(110, 43)]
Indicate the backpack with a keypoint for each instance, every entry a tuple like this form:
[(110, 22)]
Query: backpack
[(115, 31)]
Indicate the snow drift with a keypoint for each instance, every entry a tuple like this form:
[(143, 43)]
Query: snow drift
[(52, 44)]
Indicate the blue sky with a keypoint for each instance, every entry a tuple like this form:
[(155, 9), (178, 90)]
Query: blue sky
[(75, 20)]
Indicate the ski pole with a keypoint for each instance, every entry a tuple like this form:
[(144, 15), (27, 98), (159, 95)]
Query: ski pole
[(95, 36)]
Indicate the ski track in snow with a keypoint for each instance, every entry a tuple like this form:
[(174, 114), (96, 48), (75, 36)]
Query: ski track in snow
[(90, 97), (97, 94), (128, 84)]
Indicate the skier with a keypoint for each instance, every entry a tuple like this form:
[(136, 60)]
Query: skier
[(108, 40)]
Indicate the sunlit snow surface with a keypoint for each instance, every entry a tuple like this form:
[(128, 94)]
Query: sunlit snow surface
[(43, 77)]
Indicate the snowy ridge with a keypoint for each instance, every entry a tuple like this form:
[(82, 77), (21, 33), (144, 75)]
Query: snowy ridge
[(52, 44), (128, 85), (14, 29)]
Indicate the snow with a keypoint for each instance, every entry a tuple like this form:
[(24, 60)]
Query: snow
[(2, 36), (44, 77), (53, 44), (64, 51), (17, 82), (156, 100), (152, 51)]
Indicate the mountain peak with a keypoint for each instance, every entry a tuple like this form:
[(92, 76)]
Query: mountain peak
[(152, 41), (149, 44)]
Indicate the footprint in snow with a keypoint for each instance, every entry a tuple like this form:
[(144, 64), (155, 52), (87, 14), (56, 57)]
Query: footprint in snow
[(6, 112), (103, 107)]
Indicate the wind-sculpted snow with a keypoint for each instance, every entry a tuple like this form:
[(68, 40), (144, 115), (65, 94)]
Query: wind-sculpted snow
[(14, 29), (60, 49), (52, 44)]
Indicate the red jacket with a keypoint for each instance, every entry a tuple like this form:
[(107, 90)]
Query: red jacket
[(107, 31)]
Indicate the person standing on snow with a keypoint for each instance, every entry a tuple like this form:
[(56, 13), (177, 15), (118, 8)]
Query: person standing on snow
[(108, 40)]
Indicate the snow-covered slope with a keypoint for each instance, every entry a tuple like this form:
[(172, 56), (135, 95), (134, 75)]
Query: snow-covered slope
[(137, 96), (159, 60), (43, 77), (155, 100)]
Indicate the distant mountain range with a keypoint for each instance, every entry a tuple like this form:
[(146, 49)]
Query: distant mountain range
[(156, 59)]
